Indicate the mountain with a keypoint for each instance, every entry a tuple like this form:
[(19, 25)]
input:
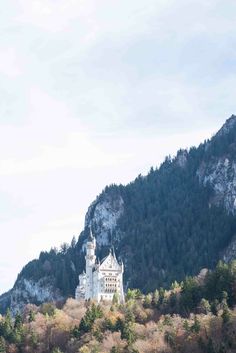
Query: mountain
[(171, 223)]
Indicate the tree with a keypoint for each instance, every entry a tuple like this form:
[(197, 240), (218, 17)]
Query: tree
[(115, 299), (215, 306), (31, 316), (7, 325), (204, 306), (18, 321), (73, 242), (186, 326), (170, 338), (226, 316), (156, 297), (133, 294), (64, 248), (175, 285), (128, 333), (129, 316), (196, 325), (94, 312), (2, 345), (48, 309), (173, 299), (33, 339), (190, 295), (148, 300), (162, 294)]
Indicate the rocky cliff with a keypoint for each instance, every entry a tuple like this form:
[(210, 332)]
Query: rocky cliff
[(171, 223)]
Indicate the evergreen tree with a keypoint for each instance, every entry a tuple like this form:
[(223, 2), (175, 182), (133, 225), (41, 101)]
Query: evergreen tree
[(156, 297), (2, 345), (196, 325), (204, 306), (31, 316)]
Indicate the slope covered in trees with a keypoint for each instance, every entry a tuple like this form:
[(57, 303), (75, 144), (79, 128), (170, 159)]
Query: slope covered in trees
[(174, 222), (196, 315), (170, 230)]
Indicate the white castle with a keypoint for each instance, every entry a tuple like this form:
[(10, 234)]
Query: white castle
[(101, 280)]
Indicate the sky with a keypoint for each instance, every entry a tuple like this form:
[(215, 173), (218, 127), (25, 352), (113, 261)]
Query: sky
[(96, 92)]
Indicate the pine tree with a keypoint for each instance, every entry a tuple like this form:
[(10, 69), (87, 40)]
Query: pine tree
[(196, 325), (18, 321), (115, 299), (2, 345), (31, 316), (156, 297)]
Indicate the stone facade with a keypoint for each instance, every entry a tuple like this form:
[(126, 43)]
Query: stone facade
[(101, 280)]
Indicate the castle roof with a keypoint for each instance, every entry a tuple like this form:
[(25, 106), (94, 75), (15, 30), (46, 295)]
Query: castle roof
[(110, 262)]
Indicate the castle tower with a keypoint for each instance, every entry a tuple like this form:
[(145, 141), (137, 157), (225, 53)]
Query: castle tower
[(90, 263)]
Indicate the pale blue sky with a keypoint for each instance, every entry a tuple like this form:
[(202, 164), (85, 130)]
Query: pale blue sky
[(95, 92)]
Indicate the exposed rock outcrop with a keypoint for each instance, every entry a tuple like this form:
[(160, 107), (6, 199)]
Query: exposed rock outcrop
[(28, 291), (103, 215)]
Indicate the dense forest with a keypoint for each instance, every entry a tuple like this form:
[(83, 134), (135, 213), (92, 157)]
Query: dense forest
[(171, 226), (195, 315)]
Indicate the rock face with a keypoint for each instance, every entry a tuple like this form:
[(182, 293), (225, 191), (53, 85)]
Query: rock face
[(41, 291), (221, 176), (171, 223), (219, 171), (102, 216), (27, 291)]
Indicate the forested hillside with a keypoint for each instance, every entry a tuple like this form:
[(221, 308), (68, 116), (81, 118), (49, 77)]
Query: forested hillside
[(196, 315), (166, 225)]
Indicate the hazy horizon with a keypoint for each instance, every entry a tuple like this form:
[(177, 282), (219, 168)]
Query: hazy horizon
[(97, 93)]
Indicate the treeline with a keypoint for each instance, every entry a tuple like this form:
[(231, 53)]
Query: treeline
[(210, 291)]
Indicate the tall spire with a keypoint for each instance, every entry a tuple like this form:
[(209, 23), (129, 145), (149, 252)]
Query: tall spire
[(114, 254), (90, 237)]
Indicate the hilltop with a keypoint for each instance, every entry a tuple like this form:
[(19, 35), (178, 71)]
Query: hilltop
[(173, 222)]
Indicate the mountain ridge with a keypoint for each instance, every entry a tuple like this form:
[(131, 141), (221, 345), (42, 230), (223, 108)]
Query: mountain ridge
[(168, 224)]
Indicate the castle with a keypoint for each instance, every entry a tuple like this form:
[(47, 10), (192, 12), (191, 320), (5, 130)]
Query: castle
[(101, 280)]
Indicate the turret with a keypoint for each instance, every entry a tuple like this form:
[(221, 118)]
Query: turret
[(90, 250), (90, 263)]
